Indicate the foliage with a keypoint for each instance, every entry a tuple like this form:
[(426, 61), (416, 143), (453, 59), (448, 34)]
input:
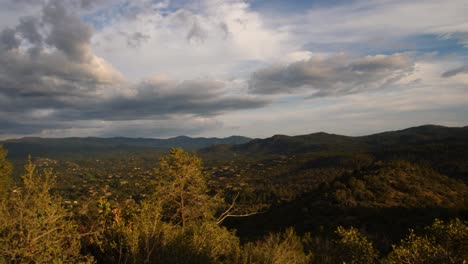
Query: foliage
[(108, 227), (145, 233), (182, 189), (5, 172), (175, 225), (204, 243), (138, 234), (442, 242), (279, 248), (353, 247), (398, 183), (34, 227), (176, 220)]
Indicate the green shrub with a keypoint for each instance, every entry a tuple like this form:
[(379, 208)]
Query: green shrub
[(442, 242), (34, 227), (280, 248), (353, 247)]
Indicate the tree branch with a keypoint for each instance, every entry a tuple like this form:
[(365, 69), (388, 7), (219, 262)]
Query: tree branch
[(227, 214)]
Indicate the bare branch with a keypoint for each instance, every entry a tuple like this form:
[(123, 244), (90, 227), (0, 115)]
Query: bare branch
[(227, 214), (222, 216), (237, 215)]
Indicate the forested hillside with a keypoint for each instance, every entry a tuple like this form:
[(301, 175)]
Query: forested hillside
[(394, 197)]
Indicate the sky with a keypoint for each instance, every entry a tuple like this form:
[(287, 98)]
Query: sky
[(212, 68)]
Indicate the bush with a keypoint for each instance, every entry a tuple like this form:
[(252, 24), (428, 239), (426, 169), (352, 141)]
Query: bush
[(353, 247), (279, 248), (34, 227), (443, 242)]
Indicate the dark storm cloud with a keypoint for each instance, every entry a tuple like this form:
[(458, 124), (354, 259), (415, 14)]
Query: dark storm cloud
[(68, 33), (27, 127), (453, 72), (155, 100), (55, 59), (332, 76), (29, 29), (8, 39), (151, 101)]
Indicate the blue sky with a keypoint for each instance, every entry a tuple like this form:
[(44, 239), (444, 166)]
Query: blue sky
[(150, 68)]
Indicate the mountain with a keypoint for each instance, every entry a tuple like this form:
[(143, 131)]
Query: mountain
[(284, 167), (321, 141), (383, 183), (418, 135), (94, 146)]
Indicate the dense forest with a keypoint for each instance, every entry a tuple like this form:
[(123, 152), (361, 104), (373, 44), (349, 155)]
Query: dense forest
[(393, 197)]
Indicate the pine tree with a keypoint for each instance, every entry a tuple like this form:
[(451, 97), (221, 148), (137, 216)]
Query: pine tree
[(182, 188), (34, 227)]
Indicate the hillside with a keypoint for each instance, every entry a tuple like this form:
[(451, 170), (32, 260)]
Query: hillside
[(321, 141), (384, 199), (381, 184), (442, 147)]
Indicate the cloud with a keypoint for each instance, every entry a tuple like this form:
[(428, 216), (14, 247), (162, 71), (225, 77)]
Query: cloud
[(196, 33), (456, 71), (76, 68), (50, 56), (67, 32), (208, 38), (182, 125), (157, 99), (374, 26), (136, 39), (334, 75), (8, 39), (50, 79), (161, 102)]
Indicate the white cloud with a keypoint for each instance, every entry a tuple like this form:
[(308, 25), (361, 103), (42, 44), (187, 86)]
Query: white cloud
[(377, 23), (209, 39), (155, 68)]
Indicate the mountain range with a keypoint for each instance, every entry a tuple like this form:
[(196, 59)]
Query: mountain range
[(239, 145), (94, 146)]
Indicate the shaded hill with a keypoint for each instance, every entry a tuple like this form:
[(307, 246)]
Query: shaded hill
[(319, 142), (417, 135), (395, 184), (384, 199), (58, 147), (444, 148), (280, 144)]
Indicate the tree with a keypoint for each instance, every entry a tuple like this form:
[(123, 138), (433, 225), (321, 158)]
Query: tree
[(353, 247), (174, 225), (5, 172), (442, 242), (278, 248), (182, 189), (34, 227)]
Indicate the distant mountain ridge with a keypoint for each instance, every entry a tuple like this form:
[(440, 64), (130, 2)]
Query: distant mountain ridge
[(277, 144), (321, 141), (52, 147)]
